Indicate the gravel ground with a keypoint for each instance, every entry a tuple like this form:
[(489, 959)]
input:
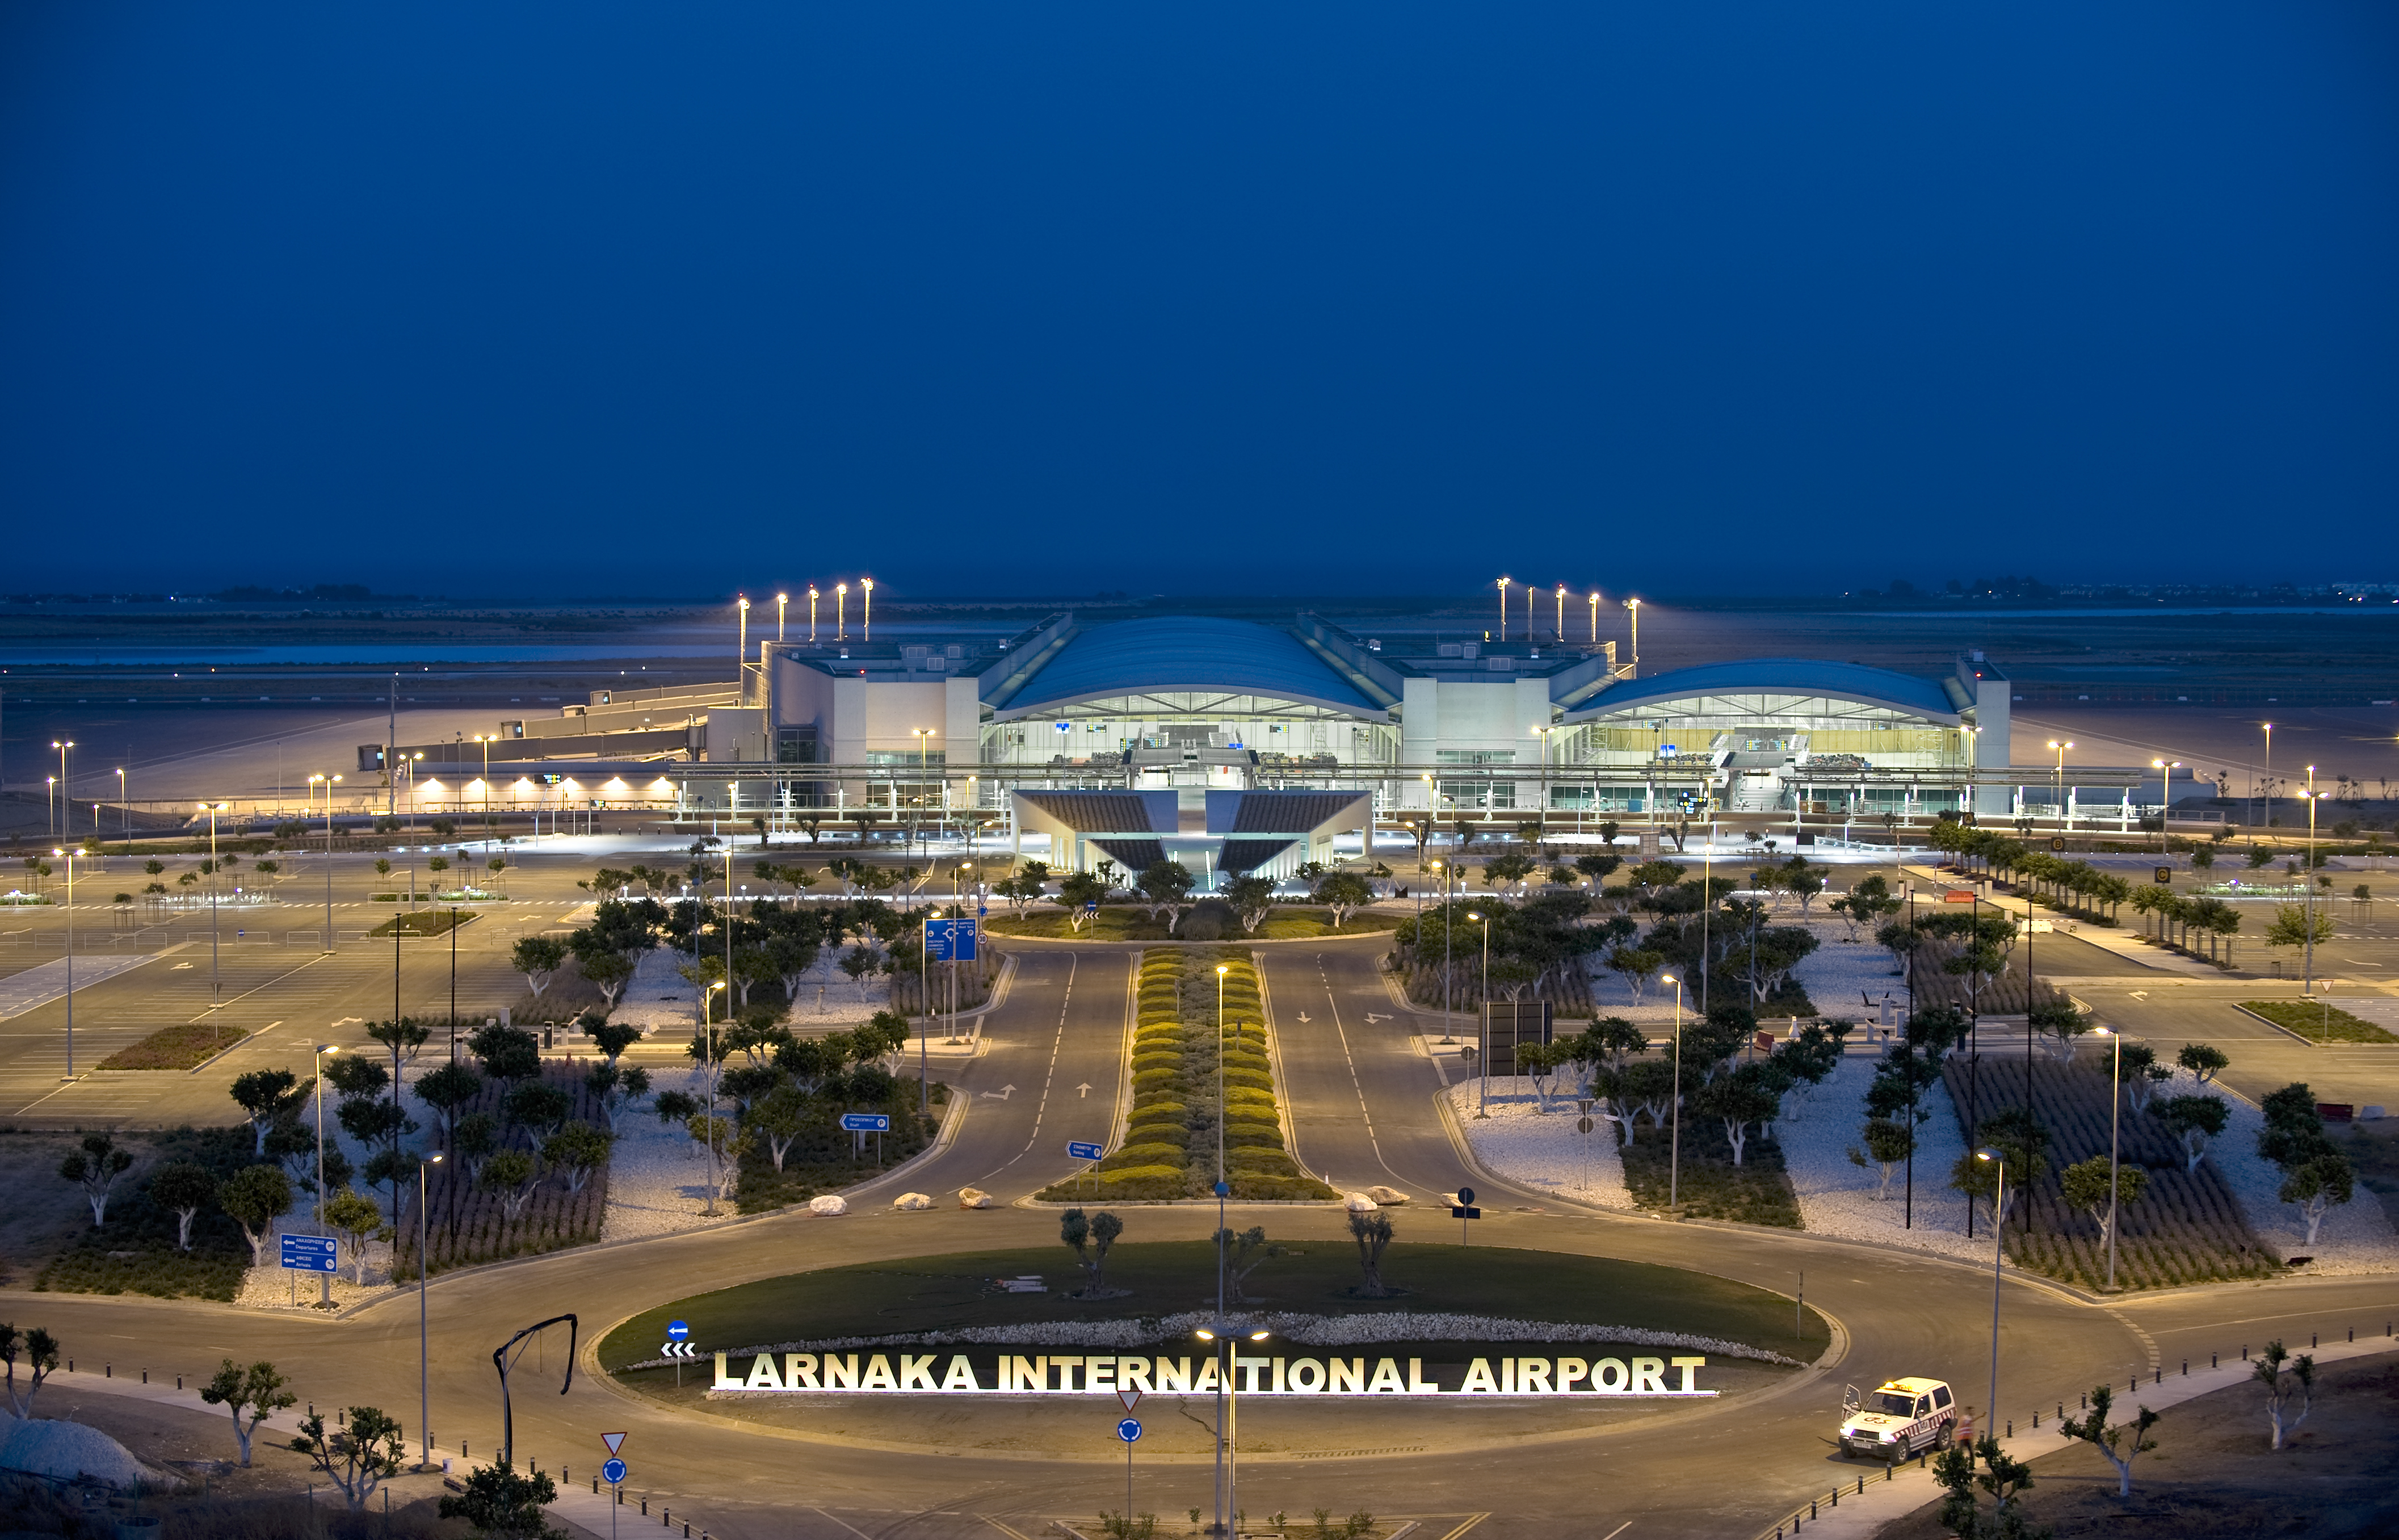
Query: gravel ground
[(657, 1178), (1542, 1153), (2355, 1238), (1837, 1199)]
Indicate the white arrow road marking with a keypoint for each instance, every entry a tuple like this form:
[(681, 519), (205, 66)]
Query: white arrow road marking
[(2140, 994), (1303, 1018), (1002, 1094), (1083, 1090), (1372, 1018)]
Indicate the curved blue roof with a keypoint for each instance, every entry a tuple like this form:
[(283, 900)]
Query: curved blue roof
[(1175, 653), (1790, 676)]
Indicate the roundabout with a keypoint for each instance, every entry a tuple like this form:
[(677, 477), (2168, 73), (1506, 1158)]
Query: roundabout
[(965, 1354)]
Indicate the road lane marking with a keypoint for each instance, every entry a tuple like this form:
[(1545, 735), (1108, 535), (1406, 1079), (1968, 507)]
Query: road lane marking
[(1065, 1002), (859, 1533), (1366, 1112), (1467, 1525)]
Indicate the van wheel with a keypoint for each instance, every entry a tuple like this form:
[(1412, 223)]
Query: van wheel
[(1898, 1452)]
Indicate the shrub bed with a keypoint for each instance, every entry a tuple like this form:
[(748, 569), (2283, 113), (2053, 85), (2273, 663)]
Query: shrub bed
[(185, 1045), (135, 1251), (2187, 1227), (467, 1224), (2314, 1020), (1171, 1140)]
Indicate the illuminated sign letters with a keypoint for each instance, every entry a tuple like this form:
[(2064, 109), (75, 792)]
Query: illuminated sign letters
[(1003, 1372)]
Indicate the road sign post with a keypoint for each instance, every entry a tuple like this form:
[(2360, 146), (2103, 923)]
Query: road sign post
[(1129, 1430), (614, 1474), (863, 1124), (1464, 1209)]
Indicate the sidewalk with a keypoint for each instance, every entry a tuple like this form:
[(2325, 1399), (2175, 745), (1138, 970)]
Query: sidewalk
[(2126, 944), (1889, 1494)]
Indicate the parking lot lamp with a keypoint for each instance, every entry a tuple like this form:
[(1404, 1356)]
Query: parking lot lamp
[(2266, 774), (1226, 1337), (1482, 1068), (1594, 617), (424, 1360), (2165, 796), (212, 809), (1503, 610), (1634, 605), (741, 636), (324, 1281), (1674, 1149), (2058, 783), (1998, 1258), (69, 851), (2114, 1118), (2308, 891), (841, 612), (125, 812)]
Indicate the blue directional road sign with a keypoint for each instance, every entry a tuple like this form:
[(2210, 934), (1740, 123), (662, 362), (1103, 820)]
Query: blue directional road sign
[(1129, 1430), (1078, 1151), (950, 940), (866, 1123), (613, 1473), (678, 1330), (310, 1254)]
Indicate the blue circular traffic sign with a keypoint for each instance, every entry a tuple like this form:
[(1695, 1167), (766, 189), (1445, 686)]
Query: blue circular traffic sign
[(678, 1330), (613, 1473), (1129, 1430)]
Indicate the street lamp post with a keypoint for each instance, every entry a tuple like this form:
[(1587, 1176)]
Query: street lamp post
[(741, 639), (783, 602), (324, 1281), (2308, 892), (814, 594), (1228, 1337), (62, 815), (2165, 796), (215, 998), (2115, 1114), (329, 781), (2266, 774), (1503, 610), (841, 612), (124, 812), (69, 851), (866, 586), (1482, 1065), (1634, 605), (1594, 617), (1998, 1259), (1562, 616), (2057, 784), (1674, 1149), (423, 1358)]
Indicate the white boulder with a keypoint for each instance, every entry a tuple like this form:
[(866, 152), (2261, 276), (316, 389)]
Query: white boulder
[(973, 1197), (912, 1202), (1358, 1202), (1390, 1198), (831, 1204)]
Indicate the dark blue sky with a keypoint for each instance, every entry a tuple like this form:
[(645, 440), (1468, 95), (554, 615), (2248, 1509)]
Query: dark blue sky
[(558, 299)]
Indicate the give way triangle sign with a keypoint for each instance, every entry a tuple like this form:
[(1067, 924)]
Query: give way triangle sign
[(615, 1442)]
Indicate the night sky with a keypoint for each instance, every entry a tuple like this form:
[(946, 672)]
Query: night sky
[(556, 300)]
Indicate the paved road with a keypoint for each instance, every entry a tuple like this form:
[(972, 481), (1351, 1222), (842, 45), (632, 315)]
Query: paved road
[(1362, 1104)]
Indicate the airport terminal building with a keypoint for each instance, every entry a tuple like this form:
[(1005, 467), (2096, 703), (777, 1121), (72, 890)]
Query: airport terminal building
[(1179, 717)]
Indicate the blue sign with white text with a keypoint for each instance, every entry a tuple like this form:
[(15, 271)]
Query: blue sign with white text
[(310, 1254), (866, 1123), (1078, 1151), (950, 940)]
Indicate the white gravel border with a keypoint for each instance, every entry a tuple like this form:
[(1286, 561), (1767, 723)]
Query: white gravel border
[(1837, 1199), (2355, 1238), (657, 1176), (1518, 1143)]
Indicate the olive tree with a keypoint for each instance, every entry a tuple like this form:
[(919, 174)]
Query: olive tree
[(358, 1457), (252, 1395), (1090, 1237), (2122, 1444), (2286, 1379)]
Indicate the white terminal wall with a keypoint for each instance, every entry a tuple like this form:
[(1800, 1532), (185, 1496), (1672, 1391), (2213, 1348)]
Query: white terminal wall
[(858, 714)]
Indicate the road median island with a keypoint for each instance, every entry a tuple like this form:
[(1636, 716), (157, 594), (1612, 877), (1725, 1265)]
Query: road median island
[(1549, 1345), (1170, 1142)]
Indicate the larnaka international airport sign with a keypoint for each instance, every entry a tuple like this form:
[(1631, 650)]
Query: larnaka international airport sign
[(1001, 1371)]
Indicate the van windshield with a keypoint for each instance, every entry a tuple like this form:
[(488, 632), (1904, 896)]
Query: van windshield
[(1892, 1404)]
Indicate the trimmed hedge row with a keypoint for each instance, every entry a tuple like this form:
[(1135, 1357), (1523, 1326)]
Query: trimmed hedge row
[(1172, 1133)]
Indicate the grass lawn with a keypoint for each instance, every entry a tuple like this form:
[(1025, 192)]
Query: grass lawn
[(180, 1046), (2318, 1022), (1123, 922), (953, 1292)]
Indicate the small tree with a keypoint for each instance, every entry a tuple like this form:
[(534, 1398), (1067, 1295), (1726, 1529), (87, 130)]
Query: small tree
[(1344, 893), (1252, 897), (2122, 1444), (2286, 1378), (511, 1174), (2061, 1024), (2193, 1120), (97, 1166), (1373, 1233), (252, 1395), (2204, 1060), (504, 1506), (2084, 1185), (612, 1038), (609, 972), (359, 1219), (1165, 884), (187, 1189), (264, 1096), (1090, 1237), (1538, 1062), (1246, 1252), (2003, 1477), (40, 1351), (617, 1090), (2318, 1186), (1636, 964), (780, 1115), (1078, 891), (475, 1138), (448, 1089), (1739, 1099), (1888, 1143), (2142, 1074), (575, 1152), (358, 1457), (256, 1197), (538, 958), (539, 1107)]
